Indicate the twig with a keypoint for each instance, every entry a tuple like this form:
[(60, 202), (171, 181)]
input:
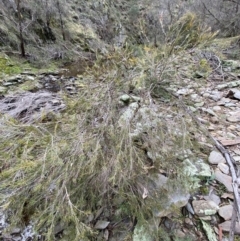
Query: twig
[(233, 222), (210, 12)]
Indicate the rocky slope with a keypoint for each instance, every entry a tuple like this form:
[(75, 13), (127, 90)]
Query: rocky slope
[(120, 143), (123, 150)]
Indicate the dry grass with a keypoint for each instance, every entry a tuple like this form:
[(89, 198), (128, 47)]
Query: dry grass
[(65, 169)]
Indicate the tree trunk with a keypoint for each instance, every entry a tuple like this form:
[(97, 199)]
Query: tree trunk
[(22, 48), (61, 20)]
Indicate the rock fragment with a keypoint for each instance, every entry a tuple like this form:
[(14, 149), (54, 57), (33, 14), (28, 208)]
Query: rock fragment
[(226, 212), (204, 208), (226, 227), (224, 168), (216, 157), (101, 224), (224, 179)]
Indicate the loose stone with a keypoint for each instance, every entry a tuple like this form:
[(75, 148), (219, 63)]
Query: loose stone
[(224, 179), (224, 168), (226, 212), (216, 157), (227, 224), (204, 208)]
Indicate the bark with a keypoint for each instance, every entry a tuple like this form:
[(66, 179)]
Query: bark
[(61, 20), (22, 47)]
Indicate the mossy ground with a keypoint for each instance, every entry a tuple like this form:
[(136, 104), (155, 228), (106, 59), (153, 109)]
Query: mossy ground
[(12, 65), (7, 66)]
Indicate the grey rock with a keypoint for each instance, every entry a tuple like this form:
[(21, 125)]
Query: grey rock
[(127, 116), (217, 108), (214, 120), (203, 120), (231, 135), (59, 228), (35, 105), (101, 224), (14, 79), (29, 78), (227, 224), (223, 101), (222, 86), (230, 104), (8, 83), (188, 222), (224, 179), (17, 238), (179, 233), (206, 95), (196, 98), (209, 111), (213, 197), (189, 208), (226, 212), (237, 95), (28, 72), (125, 98), (236, 158), (234, 118), (234, 84), (184, 91), (192, 109), (28, 233), (224, 168), (136, 98), (6, 236), (3, 90), (216, 157), (216, 97), (204, 208), (199, 104), (3, 222), (15, 231)]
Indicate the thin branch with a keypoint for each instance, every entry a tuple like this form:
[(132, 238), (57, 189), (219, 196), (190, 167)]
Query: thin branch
[(210, 12)]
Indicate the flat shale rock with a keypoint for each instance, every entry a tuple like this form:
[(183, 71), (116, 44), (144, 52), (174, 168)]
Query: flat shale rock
[(204, 208), (224, 179), (224, 168), (226, 227), (226, 212), (235, 117), (216, 157)]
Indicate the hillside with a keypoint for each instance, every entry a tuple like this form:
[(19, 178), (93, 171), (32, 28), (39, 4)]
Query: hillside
[(117, 123)]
